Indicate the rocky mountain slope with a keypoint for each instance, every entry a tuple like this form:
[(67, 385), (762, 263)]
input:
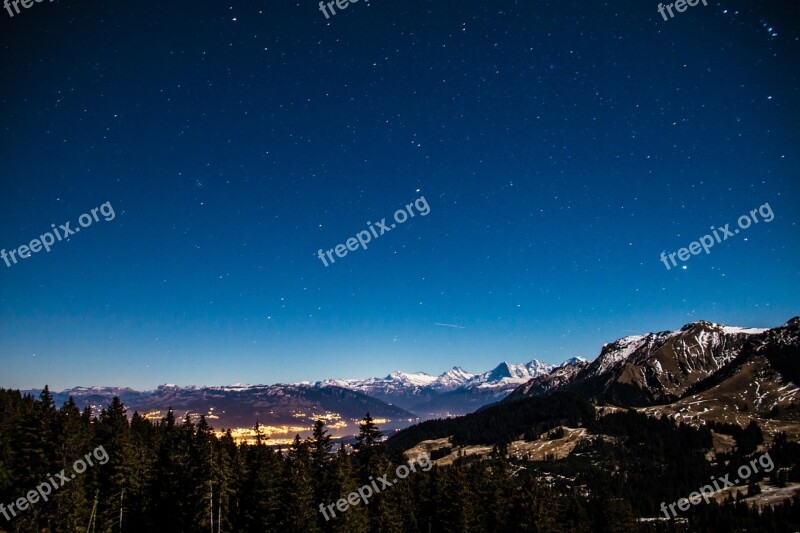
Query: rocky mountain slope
[(760, 384), (655, 368)]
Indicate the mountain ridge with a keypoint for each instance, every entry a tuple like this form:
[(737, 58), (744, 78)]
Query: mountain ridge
[(653, 368), (644, 370), (455, 391)]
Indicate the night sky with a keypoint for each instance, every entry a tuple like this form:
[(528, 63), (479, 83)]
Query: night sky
[(561, 147)]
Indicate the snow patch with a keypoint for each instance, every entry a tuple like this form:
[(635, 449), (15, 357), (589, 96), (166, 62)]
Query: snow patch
[(731, 330)]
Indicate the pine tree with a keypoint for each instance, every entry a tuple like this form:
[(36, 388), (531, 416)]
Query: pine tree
[(258, 505), (367, 448), (172, 476), (320, 446), (136, 502), (115, 477), (202, 475), (373, 462), (228, 481), (614, 515), (299, 502), (355, 519), (34, 453), (753, 488), (76, 440), (368, 433)]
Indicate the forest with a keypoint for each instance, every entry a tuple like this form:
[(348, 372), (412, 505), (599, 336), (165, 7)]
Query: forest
[(178, 475)]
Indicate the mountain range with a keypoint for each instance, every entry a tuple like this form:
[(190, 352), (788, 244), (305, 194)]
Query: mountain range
[(282, 409), (399, 399), (702, 363), (454, 392)]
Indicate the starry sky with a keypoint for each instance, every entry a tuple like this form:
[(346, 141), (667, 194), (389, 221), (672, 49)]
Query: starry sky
[(561, 147)]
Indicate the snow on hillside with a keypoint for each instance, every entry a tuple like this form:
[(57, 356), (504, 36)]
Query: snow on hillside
[(418, 379), (452, 379), (709, 335), (618, 351), (746, 331)]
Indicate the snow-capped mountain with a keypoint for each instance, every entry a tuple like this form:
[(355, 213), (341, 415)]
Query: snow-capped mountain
[(700, 373), (452, 379), (404, 388), (404, 381), (702, 346), (397, 397), (650, 368), (455, 391), (761, 381), (507, 375), (559, 376)]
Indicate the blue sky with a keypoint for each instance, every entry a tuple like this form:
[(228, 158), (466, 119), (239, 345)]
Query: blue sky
[(561, 149)]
